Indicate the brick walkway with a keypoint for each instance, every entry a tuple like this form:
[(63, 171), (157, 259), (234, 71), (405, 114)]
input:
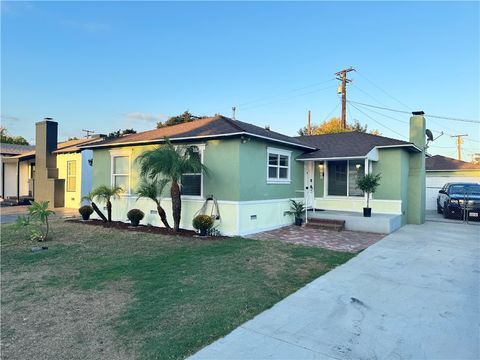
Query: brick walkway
[(350, 241)]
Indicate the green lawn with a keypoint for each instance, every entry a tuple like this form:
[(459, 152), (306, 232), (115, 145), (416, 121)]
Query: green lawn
[(113, 294)]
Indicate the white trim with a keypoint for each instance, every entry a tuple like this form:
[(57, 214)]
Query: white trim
[(279, 152), (334, 158), (196, 137), (122, 153), (396, 146)]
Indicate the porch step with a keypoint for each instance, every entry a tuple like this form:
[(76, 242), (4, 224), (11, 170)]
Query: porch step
[(338, 225)]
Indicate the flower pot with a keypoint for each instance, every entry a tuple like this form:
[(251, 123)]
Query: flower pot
[(135, 223), (203, 232), (86, 217), (367, 212), (298, 221)]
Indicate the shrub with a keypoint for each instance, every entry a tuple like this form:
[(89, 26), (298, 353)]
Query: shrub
[(86, 210), (36, 221), (135, 215), (202, 222)]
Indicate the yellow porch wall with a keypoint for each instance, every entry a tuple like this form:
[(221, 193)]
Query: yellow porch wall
[(72, 198), (352, 204)]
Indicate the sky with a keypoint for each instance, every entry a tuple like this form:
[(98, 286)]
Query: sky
[(108, 65)]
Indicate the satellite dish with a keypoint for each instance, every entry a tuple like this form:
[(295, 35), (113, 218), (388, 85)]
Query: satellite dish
[(429, 135)]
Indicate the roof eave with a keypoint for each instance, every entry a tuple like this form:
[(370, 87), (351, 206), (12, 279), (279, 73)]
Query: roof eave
[(159, 141)]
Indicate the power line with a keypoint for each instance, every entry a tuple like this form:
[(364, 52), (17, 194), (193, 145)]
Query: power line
[(275, 101), (384, 91), (283, 93), (387, 116), (378, 122), (407, 112)]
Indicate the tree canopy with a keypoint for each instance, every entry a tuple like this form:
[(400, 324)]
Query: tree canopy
[(8, 139), (179, 119), (119, 133), (334, 125)]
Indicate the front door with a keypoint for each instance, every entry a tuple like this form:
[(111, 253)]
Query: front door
[(309, 184)]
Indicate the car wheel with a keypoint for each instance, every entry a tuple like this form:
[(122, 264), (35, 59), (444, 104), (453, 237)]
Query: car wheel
[(439, 208), (445, 211)]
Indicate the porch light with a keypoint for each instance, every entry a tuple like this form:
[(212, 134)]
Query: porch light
[(321, 167), (358, 166)]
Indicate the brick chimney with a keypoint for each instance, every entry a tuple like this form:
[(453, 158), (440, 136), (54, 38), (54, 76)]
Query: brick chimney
[(47, 185)]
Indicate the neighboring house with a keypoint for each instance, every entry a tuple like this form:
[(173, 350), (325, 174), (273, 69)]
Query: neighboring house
[(56, 172), (254, 172), (8, 170), (441, 170)]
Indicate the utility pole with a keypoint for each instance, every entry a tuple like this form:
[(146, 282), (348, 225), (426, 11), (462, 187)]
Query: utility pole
[(459, 144), (342, 76), (88, 132), (309, 127)]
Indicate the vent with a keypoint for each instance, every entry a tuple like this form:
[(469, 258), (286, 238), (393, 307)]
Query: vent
[(253, 217), (153, 212)]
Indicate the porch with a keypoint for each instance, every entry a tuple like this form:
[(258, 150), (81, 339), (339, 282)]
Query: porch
[(355, 221)]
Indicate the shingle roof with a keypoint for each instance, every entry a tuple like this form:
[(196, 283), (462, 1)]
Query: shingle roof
[(62, 147), (347, 144), (14, 149), (211, 127), (439, 162)]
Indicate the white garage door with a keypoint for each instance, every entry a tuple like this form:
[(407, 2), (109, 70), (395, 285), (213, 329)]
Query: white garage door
[(435, 183)]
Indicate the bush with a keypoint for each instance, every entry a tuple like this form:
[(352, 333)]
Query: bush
[(135, 215), (202, 222), (86, 210)]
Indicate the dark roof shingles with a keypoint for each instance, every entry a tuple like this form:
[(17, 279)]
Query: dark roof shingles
[(14, 149), (439, 162), (347, 144)]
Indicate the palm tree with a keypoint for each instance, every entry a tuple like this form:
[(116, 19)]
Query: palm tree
[(90, 197), (106, 193), (153, 190), (171, 162)]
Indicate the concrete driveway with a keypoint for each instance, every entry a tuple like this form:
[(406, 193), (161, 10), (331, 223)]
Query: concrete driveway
[(8, 215), (413, 295)]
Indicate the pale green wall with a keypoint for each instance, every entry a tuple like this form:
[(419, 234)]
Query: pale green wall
[(416, 174), (253, 173)]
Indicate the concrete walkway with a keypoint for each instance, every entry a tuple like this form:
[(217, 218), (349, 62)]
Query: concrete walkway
[(8, 215), (413, 295)]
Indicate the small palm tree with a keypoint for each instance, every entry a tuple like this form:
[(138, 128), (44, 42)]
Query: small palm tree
[(107, 193), (40, 211), (90, 197), (171, 162), (153, 189)]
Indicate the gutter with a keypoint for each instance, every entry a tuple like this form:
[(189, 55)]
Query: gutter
[(159, 141)]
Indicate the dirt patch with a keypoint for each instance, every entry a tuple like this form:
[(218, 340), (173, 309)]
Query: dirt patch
[(63, 324), (145, 228)]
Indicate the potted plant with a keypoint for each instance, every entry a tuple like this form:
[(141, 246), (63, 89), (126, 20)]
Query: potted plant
[(135, 215), (297, 209), (202, 223), (368, 184), (86, 211)]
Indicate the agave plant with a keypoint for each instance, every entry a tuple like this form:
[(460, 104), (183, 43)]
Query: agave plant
[(152, 189), (107, 193)]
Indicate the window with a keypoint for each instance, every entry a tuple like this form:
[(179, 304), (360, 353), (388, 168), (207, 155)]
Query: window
[(192, 182), (121, 172), (71, 175), (342, 177), (278, 166)]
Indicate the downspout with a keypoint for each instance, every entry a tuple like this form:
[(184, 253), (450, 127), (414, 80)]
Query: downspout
[(3, 180), (18, 181)]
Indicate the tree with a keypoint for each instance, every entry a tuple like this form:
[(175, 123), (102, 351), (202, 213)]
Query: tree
[(171, 162), (106, 193), (368, 184), (153, 189), (334, 126), (7, 139), (119, 133), (90, 198), (179, 119)]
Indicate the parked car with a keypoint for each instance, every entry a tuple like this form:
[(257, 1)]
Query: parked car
[(456, 198)]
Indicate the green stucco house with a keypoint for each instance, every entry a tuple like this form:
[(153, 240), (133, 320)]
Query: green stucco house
[(254, 172)]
